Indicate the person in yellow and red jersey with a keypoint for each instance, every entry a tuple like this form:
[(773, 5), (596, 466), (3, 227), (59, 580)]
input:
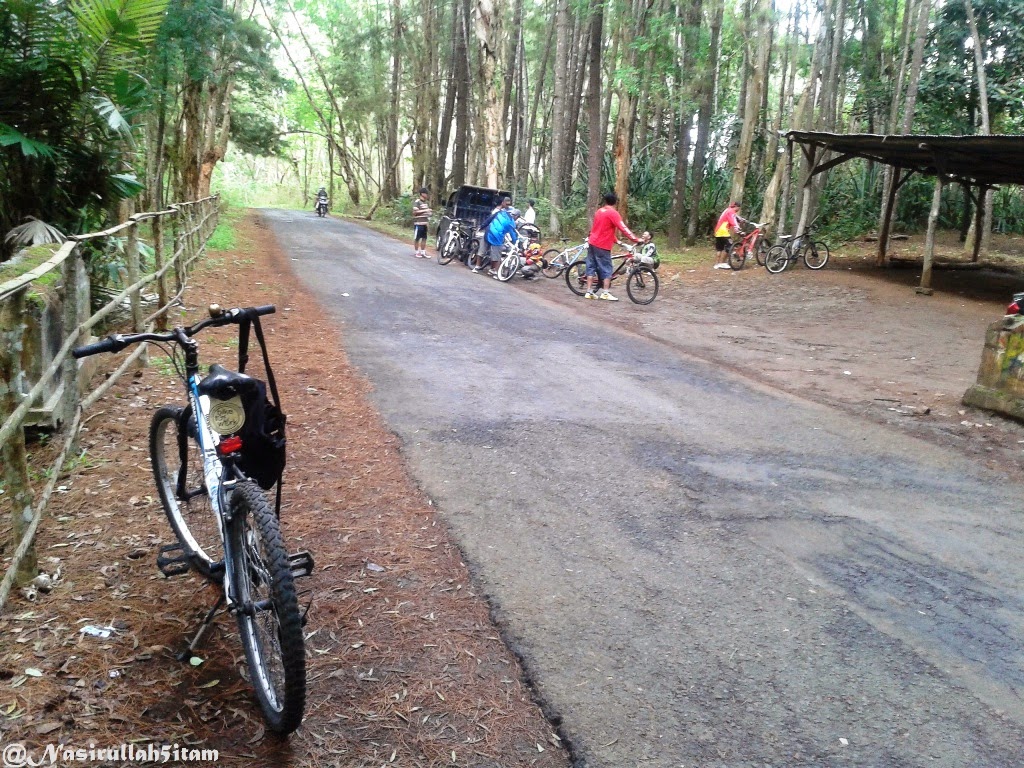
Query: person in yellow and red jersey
[(728, 225)]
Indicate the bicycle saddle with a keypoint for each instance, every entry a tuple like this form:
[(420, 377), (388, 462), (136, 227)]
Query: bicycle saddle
[(222, 383)]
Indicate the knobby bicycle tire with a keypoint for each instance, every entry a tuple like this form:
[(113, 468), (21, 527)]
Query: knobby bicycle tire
[(269, 621), (173, 447), (642, 285), (761, 252), (777, 259), (554, 263), (576, 277), (508, 267), (816, 255), (736, 256), (450, 249)]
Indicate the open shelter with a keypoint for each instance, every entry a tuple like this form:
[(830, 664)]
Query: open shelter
[(979, 163)]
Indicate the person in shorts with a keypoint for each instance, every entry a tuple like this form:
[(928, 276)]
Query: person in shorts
[(420, 216), (728, 224), (499, 225), (599, 251)]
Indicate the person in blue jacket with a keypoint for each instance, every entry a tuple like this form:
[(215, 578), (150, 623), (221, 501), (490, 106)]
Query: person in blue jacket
[(499, 224)]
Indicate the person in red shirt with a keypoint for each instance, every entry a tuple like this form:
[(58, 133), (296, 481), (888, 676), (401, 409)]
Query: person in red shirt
[(600, 242)]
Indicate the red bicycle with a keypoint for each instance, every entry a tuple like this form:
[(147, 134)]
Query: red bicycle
[(753, 244)]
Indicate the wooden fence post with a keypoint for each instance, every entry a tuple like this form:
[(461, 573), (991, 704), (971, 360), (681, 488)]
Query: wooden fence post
[(15, 463), (178, 256), (158, 259), (72, 316)]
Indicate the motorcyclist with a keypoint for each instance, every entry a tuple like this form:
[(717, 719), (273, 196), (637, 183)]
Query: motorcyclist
[(321, 199)]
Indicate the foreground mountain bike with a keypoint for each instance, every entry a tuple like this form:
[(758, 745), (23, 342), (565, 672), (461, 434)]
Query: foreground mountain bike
[(212, 461)]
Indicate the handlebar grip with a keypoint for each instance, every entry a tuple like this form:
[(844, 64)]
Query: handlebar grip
[(113, 343), (266, 309)]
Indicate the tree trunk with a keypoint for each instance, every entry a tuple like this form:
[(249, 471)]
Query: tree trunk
[(708, 86), (463, 97), (755, 90), (558, 116), (986, 129), (390, 184), (595, 143), (683, 119)]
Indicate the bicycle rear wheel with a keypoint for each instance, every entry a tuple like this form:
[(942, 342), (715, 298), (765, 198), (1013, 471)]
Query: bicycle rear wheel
[(576, 277), (642, 285), (180, 482), (268, 615), (777, 259), (761, 252), (737, 256), (816, 255), (554, 263)]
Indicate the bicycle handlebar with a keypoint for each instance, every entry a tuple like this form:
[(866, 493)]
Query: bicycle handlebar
[(115, 342)]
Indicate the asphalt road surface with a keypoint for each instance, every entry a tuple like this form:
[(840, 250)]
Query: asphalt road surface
[(697, 570)]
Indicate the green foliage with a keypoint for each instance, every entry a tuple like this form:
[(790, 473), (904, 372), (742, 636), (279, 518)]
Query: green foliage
[(68, 93)]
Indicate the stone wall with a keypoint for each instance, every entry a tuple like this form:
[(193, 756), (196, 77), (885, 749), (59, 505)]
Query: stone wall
[(1000, 385)]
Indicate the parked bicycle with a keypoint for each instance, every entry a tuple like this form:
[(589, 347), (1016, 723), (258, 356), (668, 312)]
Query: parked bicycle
[(753, 245), (557, 261), (814, 253), (459, 242), (638, 264), (212, 461), (520, 256)]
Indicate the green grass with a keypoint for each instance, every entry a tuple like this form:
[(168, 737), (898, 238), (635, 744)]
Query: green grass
[(31, 259)]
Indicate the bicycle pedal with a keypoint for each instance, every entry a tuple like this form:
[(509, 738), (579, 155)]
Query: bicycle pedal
[(173, 565), (301, 564)]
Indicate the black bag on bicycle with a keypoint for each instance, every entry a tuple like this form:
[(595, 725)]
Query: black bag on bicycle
[(263, 436)]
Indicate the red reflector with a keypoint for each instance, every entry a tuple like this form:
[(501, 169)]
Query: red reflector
[(231, 444), (1013, 309)]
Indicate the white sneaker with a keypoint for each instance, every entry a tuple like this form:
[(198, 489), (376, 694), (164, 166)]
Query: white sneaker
[(589, 295), (607, 296), (722, 266)]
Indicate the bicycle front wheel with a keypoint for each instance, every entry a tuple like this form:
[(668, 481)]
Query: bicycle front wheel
[(449, 250), (180, 482), (576, 278), (642, 285), (737, 256), (508, 267), (776, 260), (816, 255), (268, 615)]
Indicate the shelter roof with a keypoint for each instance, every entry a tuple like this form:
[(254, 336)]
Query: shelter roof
[(975, 160)]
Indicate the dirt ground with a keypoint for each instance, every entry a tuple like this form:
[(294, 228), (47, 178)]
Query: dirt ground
[(406, 666)]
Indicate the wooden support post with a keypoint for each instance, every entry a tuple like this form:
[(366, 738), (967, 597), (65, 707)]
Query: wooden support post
[(979, 219), (12, 453), (890, 204), (72, 317), (178, 256), (158, 259), (131, 247), (929, 242)]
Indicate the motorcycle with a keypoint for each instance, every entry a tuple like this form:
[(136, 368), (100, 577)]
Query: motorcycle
[(321, 206)]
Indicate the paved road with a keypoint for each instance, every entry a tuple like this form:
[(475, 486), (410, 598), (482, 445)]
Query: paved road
[(696, 570)]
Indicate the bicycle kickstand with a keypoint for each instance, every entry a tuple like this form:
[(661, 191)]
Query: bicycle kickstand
[(189, 651)]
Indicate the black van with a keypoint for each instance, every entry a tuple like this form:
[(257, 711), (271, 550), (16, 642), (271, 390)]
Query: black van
[(469, 204)]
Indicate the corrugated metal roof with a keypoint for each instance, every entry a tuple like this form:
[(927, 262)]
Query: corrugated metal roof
[(976, 160)]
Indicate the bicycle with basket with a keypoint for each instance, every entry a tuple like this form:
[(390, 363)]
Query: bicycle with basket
[(213, 459)]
